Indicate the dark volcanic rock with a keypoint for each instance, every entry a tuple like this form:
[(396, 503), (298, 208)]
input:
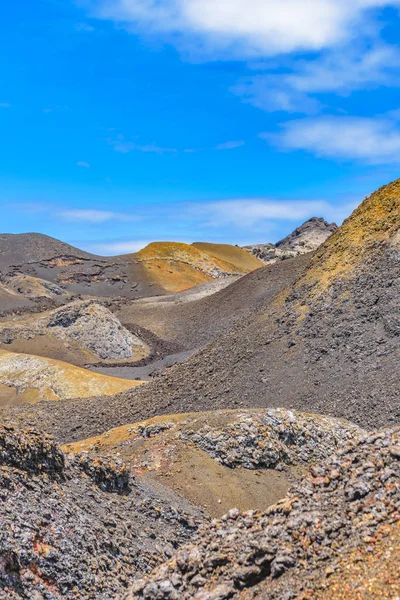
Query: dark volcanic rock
[(30, 451), (63, 537), (346, 504)]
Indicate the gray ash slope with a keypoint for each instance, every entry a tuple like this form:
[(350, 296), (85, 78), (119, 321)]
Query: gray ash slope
[(78, 527), (75, 270), (330, 344), (306, 238), (189, 323), (192, 324)]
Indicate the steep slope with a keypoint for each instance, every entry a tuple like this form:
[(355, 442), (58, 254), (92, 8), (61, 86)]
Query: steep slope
[(332, 344), (28, 378), (221, 459), (345, 512), (306, 238), (192, 321), (81, 332)]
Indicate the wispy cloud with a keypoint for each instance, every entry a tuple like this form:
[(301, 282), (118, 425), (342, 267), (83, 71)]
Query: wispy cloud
[(84, 27), (89, 215), (83, 163), (119, 144), (230, 145), (117, 247), (339, 71), (5, 105), (245, 213), (369, 140)]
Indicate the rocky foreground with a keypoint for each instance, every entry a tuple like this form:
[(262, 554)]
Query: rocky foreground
[(79, 524), (77, 527), (331, 522)]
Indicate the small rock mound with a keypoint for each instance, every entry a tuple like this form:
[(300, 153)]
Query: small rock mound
[(30, 451), (110, 474), (87, 326), (346, 504), (273, 439), (306, 238), (94, 327)]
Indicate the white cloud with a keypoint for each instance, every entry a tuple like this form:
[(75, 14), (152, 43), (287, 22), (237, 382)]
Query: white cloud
[(247, 213), (247, 27), (90, 215), (119, 247), (5, 105), (338, 71), (344, 71), (230, 145), (373, 141), (83, 163)]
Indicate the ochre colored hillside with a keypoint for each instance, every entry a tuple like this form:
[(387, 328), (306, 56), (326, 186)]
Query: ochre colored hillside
[(28, 378), (177, 266), (234, 255), (371, 227)]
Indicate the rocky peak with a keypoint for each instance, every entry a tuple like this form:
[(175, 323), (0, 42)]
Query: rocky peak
[(309, 236), (306, 238)]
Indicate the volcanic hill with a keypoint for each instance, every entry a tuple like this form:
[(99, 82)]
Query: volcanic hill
[(38, 267), (327, 343), (289, 371)]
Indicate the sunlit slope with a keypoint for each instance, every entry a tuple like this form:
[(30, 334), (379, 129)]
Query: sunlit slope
[(241, 260), (28, 378), (176, 266), (369, 230), (329, 343)]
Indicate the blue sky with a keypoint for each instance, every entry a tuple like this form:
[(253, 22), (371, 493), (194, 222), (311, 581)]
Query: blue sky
[(128, 121)]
